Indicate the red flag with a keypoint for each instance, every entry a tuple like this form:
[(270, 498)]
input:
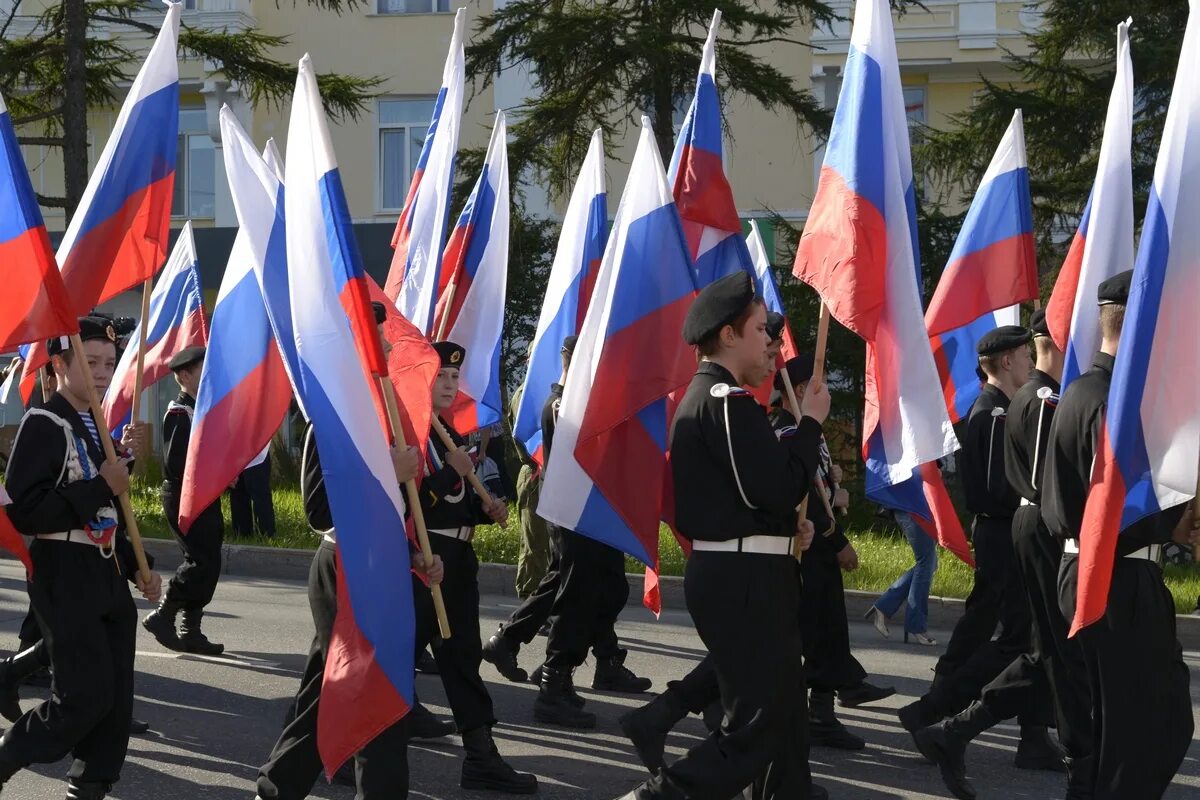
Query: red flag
[(412, 366), (10, 539)]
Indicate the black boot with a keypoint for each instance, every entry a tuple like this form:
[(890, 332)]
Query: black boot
[(613, 676), (484, 768), (161, 624), (1037, 750), (554, 706), (825, 729), (501, 653), (647, 727), (423, 724), (947, 744), (535, 678), (13, 670), (193, 639), (90, 790), (914, 718), (8, 768), (863, 693), (426, 663), (345, 774), (1080, 780)]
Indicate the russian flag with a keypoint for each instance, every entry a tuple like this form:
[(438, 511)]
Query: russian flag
[(34, 305), (859, 250), (958, 361), (1103, 246), (471, 309), (568, 293), (176, 321), (765, 278), (609, 459), (414, 275), (697, 177), (1146, 455), (244, 391), (10, 539), (118, 236), (368, 683)]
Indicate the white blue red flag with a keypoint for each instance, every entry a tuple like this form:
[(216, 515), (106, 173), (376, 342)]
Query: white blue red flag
[(1103, 245), (568, 293), (368, 683), (176, 321), (609, 459), (412, 281), (1146, 454), (117, 238), (765, 278), (697, 177), (34, 305), (859, 251), (958, 361), (244, 390), (470, 311), (10, 539)]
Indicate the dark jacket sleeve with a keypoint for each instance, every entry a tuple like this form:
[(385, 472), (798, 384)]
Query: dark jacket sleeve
[(39, 504), (774, 474), (177, 429)]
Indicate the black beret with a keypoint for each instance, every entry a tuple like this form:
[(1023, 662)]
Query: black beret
[(568, 345), (452, 354), (90, 329), (717, 305), (185, 358), (775, 322), (798, 369), (380, 312), (1003, 339), (1115, 290), (1037, 323)]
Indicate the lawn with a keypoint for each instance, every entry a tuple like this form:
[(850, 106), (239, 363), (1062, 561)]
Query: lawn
[(882, 554)]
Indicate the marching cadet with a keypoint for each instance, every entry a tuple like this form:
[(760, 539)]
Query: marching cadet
[(1052, 668), (736, 491), (64, 492), (195, 581), (1141, 706), (452, 510), (972, 659), (829, 666)]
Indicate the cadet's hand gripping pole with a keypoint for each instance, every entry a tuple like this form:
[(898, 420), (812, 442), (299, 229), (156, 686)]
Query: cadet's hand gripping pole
[(818, 377), (476, 484)]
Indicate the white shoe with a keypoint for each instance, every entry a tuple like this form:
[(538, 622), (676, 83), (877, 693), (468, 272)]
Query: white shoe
[(921, 639), (876, 617)]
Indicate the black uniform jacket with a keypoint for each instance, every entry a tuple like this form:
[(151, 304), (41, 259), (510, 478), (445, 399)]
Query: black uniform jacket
[(733, 477), (1071, 454), (176, 431), (447, 500), (550, 419), (830, 539), (1026, 434), (985, 484)]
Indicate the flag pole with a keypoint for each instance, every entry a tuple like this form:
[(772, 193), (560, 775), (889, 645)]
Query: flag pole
[(442, 434), (45, 384), (414, 504), (110, 453), (141, 355), (450, 291), (818, 377)]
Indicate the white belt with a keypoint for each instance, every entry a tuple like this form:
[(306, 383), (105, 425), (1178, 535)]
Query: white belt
[(1151, 552), (765, 545), (1025, 502), (463, 534), (75, 536), (329, 537)]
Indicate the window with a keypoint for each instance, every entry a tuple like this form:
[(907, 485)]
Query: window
[(159, 5), (403, 123), (195, 167), (413, 6), (914, 106)]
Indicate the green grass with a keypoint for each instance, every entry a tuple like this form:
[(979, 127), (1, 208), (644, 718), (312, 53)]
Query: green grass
[(883, 555)]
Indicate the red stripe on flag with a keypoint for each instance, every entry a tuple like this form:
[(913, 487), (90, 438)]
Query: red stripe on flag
[(1000, 275), (10, 540), (1061, 306), (33, 305), (1098, 534), (944, 526), (702, 193)]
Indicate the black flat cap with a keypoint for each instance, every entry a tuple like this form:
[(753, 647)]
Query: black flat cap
[(717, 305), (568, 345), (90, 329), (775, 323), (798, 369), (1003, 339), (1115, 290), (185, 358), (380, 312), (452, 354), (1037, 323)]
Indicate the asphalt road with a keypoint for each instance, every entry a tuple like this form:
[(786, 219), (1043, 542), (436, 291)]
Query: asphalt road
[(214, 719)]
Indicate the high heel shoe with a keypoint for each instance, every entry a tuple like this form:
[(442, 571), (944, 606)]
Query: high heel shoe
[(920, 638), (876, 618)]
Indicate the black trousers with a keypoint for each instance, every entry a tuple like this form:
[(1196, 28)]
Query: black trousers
[(532, 614), (1141, 704), (973, 659), (744, 607), (458, 657), (828, 663), (251, 508), (699, 688), (590, 597), (380, 768), (88, 623), (195, 580)]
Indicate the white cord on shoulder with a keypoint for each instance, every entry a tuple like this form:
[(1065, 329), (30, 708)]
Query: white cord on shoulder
[(1037, 445), (729, 440)]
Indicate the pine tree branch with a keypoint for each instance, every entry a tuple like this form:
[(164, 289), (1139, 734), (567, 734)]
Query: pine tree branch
[(38, 117), (50, 202), (45, 141)]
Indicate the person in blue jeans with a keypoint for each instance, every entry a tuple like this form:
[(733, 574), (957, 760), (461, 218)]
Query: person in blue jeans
[(911, 588)]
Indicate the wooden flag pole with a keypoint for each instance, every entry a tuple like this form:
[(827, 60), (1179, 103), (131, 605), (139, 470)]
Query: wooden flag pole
[(818, 377), (451, 289), (414, 504), (141, 356), (442, 434), (110, 453), (45, 375)]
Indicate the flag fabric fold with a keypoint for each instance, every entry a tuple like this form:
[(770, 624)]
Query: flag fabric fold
[(176, 321), (957, 360), (1146, 458), (11, 539), (765, 278), (568, 293)]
